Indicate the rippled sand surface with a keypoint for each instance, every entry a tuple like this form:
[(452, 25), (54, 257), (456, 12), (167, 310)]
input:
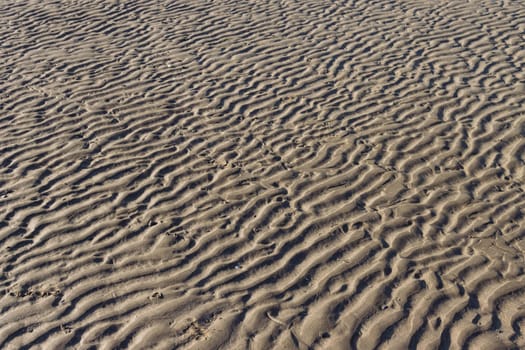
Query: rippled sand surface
[(262, 174)]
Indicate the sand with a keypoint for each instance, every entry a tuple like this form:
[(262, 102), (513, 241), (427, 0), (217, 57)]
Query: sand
[(262, 174)]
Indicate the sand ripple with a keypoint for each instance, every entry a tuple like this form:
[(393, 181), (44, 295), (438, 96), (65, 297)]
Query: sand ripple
[(262, 174)]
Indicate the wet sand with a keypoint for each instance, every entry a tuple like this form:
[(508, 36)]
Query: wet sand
[(262, 174)]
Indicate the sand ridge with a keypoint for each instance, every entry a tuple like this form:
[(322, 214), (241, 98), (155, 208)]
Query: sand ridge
[(262, 174)]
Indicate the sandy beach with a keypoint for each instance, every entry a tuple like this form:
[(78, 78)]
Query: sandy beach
[(262, 174)]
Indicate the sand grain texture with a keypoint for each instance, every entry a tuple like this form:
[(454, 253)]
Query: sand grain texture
[(262, 174)]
